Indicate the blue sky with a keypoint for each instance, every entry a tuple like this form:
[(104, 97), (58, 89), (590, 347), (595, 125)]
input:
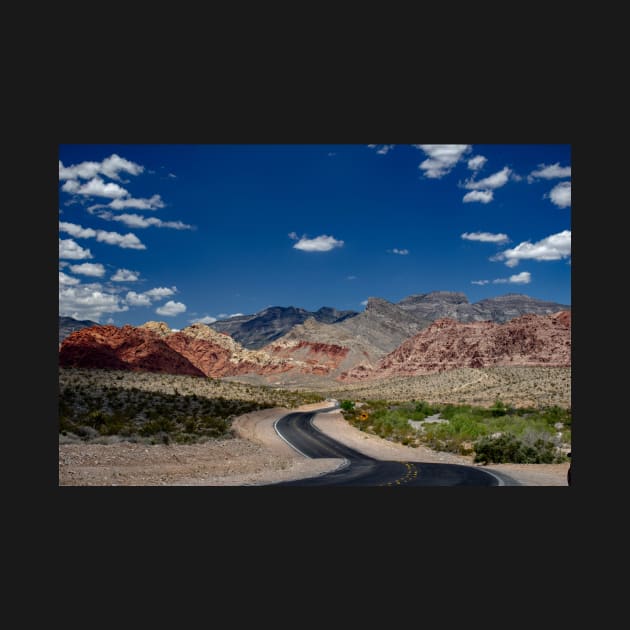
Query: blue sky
[(182, 233)]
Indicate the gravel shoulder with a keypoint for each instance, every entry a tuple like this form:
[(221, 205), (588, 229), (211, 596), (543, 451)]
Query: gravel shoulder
[(255, 456)]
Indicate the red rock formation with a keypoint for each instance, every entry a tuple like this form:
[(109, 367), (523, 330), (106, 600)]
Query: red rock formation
[(319, 358), (126, 348), (529, 340)]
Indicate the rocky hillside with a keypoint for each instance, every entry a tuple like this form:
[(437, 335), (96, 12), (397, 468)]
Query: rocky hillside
[(440, 304), (255, 331), (69, 324), (528, 340), (196, 350)]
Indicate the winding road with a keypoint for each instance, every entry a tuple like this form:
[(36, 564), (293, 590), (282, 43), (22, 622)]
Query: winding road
[(297, 430)]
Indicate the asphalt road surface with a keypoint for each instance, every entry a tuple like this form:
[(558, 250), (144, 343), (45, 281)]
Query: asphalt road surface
[(298, 431)]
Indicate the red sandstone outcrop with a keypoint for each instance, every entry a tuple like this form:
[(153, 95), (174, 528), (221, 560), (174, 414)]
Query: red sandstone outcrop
[(529, 340), (126, 348)]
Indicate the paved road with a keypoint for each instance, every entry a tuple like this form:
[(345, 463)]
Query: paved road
[(298, 431)]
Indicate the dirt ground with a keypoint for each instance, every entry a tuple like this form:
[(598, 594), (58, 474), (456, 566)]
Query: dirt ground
[(256, 456)]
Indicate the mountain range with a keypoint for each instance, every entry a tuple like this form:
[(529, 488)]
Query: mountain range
[(386, 339)]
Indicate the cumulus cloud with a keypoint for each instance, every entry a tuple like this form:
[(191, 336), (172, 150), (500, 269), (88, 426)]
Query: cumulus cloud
[(88, 301), (496, 180), (125, 275), (321, 243), (125, 241), (111, 167), (442, 158), (67, 280), (138, 221), (485, 237), (72, 250), (561, 194), (76, 230), (400, 252), (477, 162), (95, 187), (170, 309), (293, 236), (483, 196), (551, 171), (520, 278), (153, 203), (553, 247), (207, 319), (137, 299), (160, 292), (382, 149), (96, 270), (364, 303)]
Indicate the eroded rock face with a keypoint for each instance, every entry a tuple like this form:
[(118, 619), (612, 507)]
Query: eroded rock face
[(126, 348), (529, 340)]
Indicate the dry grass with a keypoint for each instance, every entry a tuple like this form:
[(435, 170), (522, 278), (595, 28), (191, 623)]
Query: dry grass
[(183, 385), (517, 386)]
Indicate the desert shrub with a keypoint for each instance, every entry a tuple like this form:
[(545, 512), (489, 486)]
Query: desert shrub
[(346, 405), (508, 448)]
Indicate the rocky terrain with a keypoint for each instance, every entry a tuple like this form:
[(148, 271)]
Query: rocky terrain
[(68, 325), (528, 340), (440, 304), (255, 331)]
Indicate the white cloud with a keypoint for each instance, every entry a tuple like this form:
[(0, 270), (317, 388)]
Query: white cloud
[(496, 180), (400, 252), (96, 270), (318, 244), (554, 247), (364, 303), (551, 171), (110, 167), (138, 221), (67, 280), (72, 250), (137, 299), (160, 292), (521, 278), (382, 149), (477, 162), (172, 175), (226, 316), (442, 158), (485, 237), (170, 309), (293, 236), (125, 275), (153, 203), (95, 187), (484, 196), (561, 194), (88, 301), (76, 230), (207, 319), (126, 241), (351, 278)]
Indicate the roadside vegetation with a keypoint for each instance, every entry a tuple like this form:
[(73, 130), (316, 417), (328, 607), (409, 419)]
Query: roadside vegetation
[(495, 434), (110, 406)]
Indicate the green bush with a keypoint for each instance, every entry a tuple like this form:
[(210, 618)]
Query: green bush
[(507, 448), (347, 405)]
